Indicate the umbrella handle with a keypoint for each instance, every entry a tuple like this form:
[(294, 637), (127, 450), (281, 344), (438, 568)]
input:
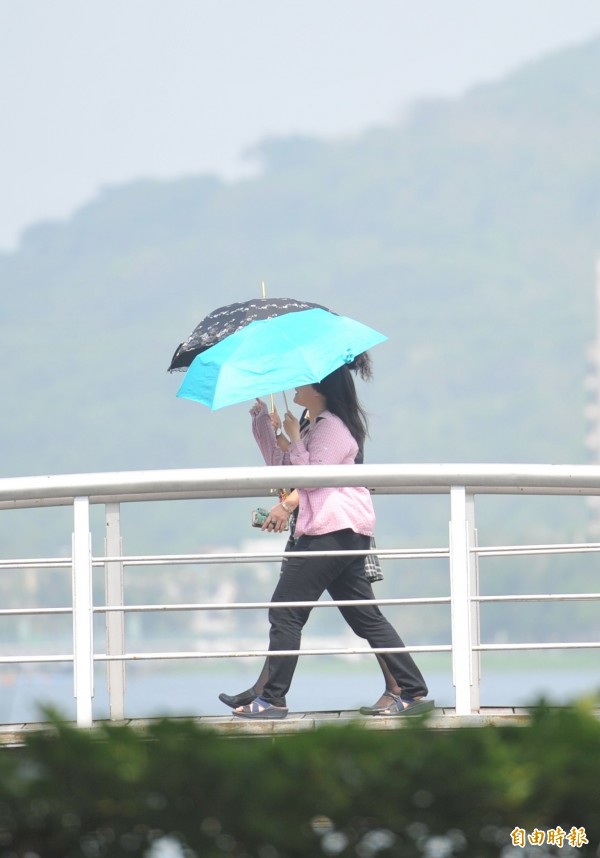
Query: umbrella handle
[(287, 407)]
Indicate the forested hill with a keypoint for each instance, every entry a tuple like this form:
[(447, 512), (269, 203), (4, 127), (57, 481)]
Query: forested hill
[(468, 232)]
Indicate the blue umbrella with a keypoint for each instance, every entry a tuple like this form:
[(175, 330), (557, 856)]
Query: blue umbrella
[(271, 355)]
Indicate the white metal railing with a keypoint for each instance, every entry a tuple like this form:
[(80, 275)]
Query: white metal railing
[(462, 483)]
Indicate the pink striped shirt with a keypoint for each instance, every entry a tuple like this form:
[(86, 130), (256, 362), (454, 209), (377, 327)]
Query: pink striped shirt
[(327, 441)]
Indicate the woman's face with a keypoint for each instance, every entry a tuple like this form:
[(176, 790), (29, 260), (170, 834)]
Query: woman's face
[(306, 396)]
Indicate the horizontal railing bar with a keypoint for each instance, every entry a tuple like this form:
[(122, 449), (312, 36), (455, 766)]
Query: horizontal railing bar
[(547, 597), (558, 645), (550, 548), (230, 606), (34, 659), (10, 612), (242, 557), (20, 492), (229, 557), (134, 497), (263, 653), (32, 563), (226, 606)]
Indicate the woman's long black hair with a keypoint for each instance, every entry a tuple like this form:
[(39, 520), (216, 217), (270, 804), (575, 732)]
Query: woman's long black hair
[(340, 392)]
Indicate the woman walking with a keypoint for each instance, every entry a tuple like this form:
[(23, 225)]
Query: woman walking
[(326, 519)]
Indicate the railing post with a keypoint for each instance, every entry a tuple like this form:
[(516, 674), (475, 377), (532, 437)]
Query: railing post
[(475, 607), (83, 633), (460, 603), (115, 621)]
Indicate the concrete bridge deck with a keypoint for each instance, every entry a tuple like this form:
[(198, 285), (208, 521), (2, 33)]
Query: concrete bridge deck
[(14, 735)]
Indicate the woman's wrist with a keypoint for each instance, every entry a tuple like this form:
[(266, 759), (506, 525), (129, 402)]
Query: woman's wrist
[(286, 507)]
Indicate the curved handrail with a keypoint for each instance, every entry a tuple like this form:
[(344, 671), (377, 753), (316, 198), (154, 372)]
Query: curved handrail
[(189, 483)]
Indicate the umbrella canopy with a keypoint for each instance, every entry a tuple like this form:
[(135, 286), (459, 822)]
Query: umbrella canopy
[(225, 321), (271, 355)]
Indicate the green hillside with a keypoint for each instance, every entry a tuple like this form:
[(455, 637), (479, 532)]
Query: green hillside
[(468, 232)]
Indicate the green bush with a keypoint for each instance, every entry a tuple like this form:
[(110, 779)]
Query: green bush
[(337, 790)]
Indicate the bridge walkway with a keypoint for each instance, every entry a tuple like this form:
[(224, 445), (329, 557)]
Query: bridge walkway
[(14, 735)]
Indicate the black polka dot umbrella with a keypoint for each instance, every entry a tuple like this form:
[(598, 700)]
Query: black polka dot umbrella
[(227, 320)]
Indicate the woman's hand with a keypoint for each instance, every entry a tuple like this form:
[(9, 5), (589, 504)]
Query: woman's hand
[(291, 426), (258, 406), (277, 519), (282, 442), (275, 421)]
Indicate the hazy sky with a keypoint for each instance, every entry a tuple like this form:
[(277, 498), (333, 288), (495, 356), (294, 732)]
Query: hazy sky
[(100, 92)]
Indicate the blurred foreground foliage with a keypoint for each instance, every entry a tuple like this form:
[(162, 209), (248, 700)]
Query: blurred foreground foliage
[(176, 788)]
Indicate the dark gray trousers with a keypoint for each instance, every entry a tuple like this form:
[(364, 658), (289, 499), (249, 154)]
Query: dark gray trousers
[(306, 579)]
